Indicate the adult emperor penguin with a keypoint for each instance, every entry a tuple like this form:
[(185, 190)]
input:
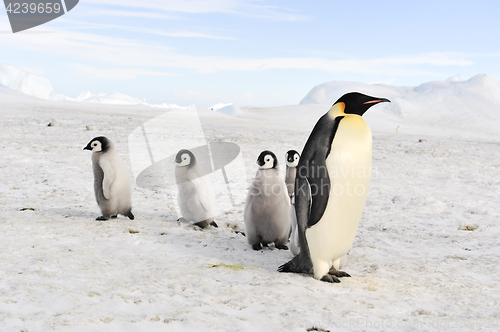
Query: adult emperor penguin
[(292, 160), (331, 187), (267, 207), (111, 179), (195, 195)]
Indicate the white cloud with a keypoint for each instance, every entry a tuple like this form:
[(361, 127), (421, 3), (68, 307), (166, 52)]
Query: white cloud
[(33, 70), (400, 66), (181, 6), (251, 8), (126, 13), (204, 98), (183, 34), (90, 72), (189, 34), (121, 52), (198, 97)]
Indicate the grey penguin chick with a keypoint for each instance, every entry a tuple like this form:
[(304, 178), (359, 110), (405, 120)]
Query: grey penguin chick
[(112, 188), (292, 158), (267, 207), (294, 235), (195, 196)]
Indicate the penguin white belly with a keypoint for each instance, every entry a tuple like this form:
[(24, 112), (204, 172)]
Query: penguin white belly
[(192, 195), (267, 213), (191, 208), (119, 190), (349, 168)]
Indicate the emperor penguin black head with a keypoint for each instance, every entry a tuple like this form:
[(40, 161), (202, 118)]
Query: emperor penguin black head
[(185, 158), (267, 160), (99, 144), (292, 158), (358, 103)]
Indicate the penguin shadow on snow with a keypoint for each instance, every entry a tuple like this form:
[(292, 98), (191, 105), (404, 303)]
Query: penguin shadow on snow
[(69, 213), (222, 245)]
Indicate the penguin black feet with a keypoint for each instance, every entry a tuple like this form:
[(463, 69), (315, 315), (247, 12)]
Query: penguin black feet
[(333, 275), (259, 246), (330, 278), (129, 214), (201, 224), (205, 223), (338, 274), (298, 264), (281, 246), (256, 246)]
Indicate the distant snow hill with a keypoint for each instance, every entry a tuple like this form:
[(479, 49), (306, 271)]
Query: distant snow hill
[(40, 87), (24, 82), (455, 108), (113, 98), (457, 105)]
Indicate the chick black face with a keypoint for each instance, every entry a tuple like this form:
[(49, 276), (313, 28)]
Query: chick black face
[(267, 160), (358, 103), (184, 158), (292, 158), (98, 144)]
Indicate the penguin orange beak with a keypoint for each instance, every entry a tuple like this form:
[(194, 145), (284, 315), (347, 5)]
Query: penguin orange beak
[(376, 101)]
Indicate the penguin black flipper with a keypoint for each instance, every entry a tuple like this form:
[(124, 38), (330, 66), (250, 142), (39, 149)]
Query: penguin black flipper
[(315, 167), (301, 263), (312, 184)]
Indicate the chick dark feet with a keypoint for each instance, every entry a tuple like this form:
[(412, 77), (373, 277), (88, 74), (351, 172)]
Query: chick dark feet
[(256, 246), (205, 223)]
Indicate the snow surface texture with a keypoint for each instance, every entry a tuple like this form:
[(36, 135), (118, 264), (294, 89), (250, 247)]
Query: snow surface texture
[(425, 256)]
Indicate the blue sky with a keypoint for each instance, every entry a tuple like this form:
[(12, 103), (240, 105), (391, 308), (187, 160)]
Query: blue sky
[(254, 52)]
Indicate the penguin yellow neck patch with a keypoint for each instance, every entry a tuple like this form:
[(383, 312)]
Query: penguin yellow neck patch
[(337, 110)]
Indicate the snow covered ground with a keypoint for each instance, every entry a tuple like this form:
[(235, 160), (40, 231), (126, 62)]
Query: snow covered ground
[(425, 257)]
